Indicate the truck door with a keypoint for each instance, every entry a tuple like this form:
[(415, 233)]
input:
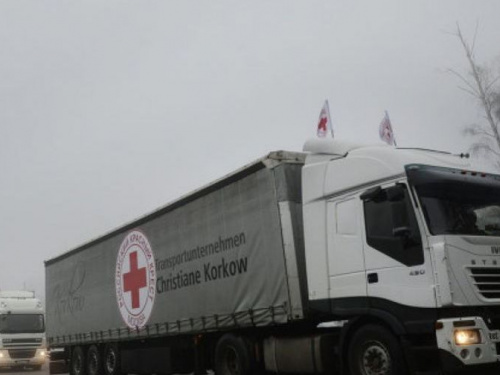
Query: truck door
[(345, 248), (397, 268)]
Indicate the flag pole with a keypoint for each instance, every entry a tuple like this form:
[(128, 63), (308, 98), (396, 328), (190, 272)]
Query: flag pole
[(393, 137), (329, 117)]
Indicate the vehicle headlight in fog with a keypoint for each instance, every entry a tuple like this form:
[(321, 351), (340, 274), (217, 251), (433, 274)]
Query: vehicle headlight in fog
[(42, 353), (467, 337)]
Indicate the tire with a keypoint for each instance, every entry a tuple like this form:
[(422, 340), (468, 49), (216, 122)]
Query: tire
[(77, 361), (94, 361), (233, 356), (374, 350), (111, 360)]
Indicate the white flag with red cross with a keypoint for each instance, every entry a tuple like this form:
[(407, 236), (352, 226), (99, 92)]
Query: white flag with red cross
[(385, 131), (324, 122)]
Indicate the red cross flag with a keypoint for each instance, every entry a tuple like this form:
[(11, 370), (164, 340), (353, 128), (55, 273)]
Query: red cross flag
[(324, 122), (385, 130)]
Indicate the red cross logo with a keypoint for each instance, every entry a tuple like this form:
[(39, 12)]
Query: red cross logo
[(135, 275), (322, 124), (135, 280)]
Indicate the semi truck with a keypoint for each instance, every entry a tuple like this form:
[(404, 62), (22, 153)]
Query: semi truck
[(340, 259), (22, 331)]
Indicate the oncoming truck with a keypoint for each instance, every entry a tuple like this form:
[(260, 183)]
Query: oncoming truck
[(343, 258), (22, 330)]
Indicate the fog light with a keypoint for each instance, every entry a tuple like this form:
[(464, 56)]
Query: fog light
[(478, 352), (464, 353), (467, 337)]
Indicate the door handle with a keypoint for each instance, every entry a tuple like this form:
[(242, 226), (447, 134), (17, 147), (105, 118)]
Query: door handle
[(372, 278)]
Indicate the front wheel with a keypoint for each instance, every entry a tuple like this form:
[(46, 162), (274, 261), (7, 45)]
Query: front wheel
[(233, 356), (374, 350)]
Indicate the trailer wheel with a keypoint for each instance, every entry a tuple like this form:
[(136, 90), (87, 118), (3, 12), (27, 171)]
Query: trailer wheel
[(233, 356), (374, 350), (78, 361), (112, 360), (94, 361)]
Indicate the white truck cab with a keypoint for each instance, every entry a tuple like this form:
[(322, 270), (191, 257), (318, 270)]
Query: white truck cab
[(410, 237), (22, 330)]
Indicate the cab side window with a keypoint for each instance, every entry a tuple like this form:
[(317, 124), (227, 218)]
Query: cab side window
[(391, 225)]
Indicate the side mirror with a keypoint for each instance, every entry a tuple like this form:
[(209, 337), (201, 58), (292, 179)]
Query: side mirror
[(373, 194), (400, 221), (395, 193), (392, 194), (401, 232)]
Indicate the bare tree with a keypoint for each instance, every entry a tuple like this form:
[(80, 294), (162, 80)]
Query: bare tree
[(481, 84)]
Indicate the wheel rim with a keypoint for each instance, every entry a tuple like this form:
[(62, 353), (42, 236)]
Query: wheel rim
[(375, 359), (232, 362), (93, 363), (111, 361), (77, 364)]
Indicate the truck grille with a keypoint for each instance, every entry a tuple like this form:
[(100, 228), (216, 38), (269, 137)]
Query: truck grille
[(487, 281), (21, 353), (21, 342)]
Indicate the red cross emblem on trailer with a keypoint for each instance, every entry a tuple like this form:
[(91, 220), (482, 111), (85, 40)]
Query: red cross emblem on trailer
[(135, 278)]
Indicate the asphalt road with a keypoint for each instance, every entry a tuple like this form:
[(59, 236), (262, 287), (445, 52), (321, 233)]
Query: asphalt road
[(43, 371)]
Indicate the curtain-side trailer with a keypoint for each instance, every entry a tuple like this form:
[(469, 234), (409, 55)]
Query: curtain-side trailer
[(341, 259)]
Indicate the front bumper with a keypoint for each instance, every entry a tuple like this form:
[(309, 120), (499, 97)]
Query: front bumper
[(482, 352), (20, 357)]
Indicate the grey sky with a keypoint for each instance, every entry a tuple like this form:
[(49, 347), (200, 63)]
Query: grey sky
[(110, 109)]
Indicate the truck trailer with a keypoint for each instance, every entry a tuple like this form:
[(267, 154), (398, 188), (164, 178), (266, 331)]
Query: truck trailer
[(22, 331), (341, 259)]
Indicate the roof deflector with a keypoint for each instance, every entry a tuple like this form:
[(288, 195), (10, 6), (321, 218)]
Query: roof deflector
[(330, 146)]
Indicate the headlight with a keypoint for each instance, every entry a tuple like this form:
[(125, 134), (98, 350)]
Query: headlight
[(467, 337), (42, 352)]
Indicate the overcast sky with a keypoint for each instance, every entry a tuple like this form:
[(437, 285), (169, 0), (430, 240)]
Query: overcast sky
[(110, 109)]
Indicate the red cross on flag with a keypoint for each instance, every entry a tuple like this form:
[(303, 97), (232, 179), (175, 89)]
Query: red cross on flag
[(385, 131), (324, 122)]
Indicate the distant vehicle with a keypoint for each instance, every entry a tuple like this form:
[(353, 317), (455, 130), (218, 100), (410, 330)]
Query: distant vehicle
[(356, 259), (22, 330)]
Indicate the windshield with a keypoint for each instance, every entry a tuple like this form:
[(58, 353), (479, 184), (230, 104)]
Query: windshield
[(456, 202), (21, 323)]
